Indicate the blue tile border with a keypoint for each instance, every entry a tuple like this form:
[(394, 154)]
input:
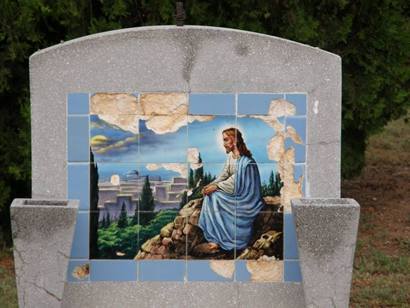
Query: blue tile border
[(241, 271), (78, 148), (200, 270), (113, 270), (299, 100), (292, 271), (212, 104), (255, 104), (80, 247), (72, 265), (78, 184), (78, 103), (161, 270), (290, 249)]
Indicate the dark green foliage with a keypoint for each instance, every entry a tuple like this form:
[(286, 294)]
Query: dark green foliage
[(147, 199), (114, 241), (372, 37), (94, 211), (103, 224), (184, 199), (146, 203), (199, 173), (191, 181), (123, 220), (272, 188), (107, 220)]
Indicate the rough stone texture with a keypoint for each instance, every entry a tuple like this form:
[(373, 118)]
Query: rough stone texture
[(326, 232), (42, 236), (179, 294), (189, 58)]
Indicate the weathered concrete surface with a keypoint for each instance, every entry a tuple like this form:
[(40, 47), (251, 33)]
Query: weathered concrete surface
[(42, 236), (326, 234), (179, 294)]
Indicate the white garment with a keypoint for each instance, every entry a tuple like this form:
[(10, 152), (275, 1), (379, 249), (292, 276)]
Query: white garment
[(226, 180)]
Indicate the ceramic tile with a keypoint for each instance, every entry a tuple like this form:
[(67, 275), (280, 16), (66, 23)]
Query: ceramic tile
[(299, 101), (169, 104), (259, 271), (299, 174), (78, 184), (78, 270), (163, 139), (162, 235), (112, 104), (290, 241), (78, 103), (292, 271), (205, 136), (256, 104), (161, 270), (210, 270), (80, 246), (114, 138), (258, 133), (297, 141), (113, 270), (168, 183), (212, 104), (78, 149)]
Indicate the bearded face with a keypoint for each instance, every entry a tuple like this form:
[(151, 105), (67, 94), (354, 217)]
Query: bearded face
[(229, 142)]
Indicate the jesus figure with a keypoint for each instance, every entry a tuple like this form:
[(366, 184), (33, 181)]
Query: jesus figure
[(233, 200)]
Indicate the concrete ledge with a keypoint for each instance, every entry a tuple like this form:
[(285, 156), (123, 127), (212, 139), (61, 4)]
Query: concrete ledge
[(326, 233), (42, 235), (180, 294)]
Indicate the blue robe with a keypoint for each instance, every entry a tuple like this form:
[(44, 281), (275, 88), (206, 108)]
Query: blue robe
[(227, 219)]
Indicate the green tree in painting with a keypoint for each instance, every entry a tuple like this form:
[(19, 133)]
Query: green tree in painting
[(123, 220), (191, 180), (94, 211), (199, 172), (146, 203), (274, 185), (108, 220)]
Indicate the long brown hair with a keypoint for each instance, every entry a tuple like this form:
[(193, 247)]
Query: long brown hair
[(240, 144)]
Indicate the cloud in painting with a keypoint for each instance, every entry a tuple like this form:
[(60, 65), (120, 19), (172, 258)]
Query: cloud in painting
[(182, 169)]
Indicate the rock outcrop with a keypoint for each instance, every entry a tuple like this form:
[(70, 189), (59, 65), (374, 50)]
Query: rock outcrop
[(183, 238)]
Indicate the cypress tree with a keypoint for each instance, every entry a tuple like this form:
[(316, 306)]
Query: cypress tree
[(94, 211), (108, 220), (122, 221), (191, 181), (199, 173)]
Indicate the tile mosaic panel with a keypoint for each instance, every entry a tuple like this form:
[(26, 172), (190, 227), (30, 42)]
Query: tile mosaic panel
[(154, 159), (114, 139), (78, 103), (256, 104), (212, 104), (163, 139), (205, 136)]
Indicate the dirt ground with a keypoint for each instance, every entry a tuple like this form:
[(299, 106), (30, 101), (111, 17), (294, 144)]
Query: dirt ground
[(382, 265), (381, 275)]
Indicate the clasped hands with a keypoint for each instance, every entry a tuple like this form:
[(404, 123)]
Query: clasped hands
[(209, 189)]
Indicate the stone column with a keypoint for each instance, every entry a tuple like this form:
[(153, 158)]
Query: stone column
[(326, 233), (42, 235)]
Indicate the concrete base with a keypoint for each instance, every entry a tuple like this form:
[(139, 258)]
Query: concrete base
[(42, 235), (326, 230)]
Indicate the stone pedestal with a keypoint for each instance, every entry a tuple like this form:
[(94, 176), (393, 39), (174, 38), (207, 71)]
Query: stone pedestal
[(326, 233), (42, 235)]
